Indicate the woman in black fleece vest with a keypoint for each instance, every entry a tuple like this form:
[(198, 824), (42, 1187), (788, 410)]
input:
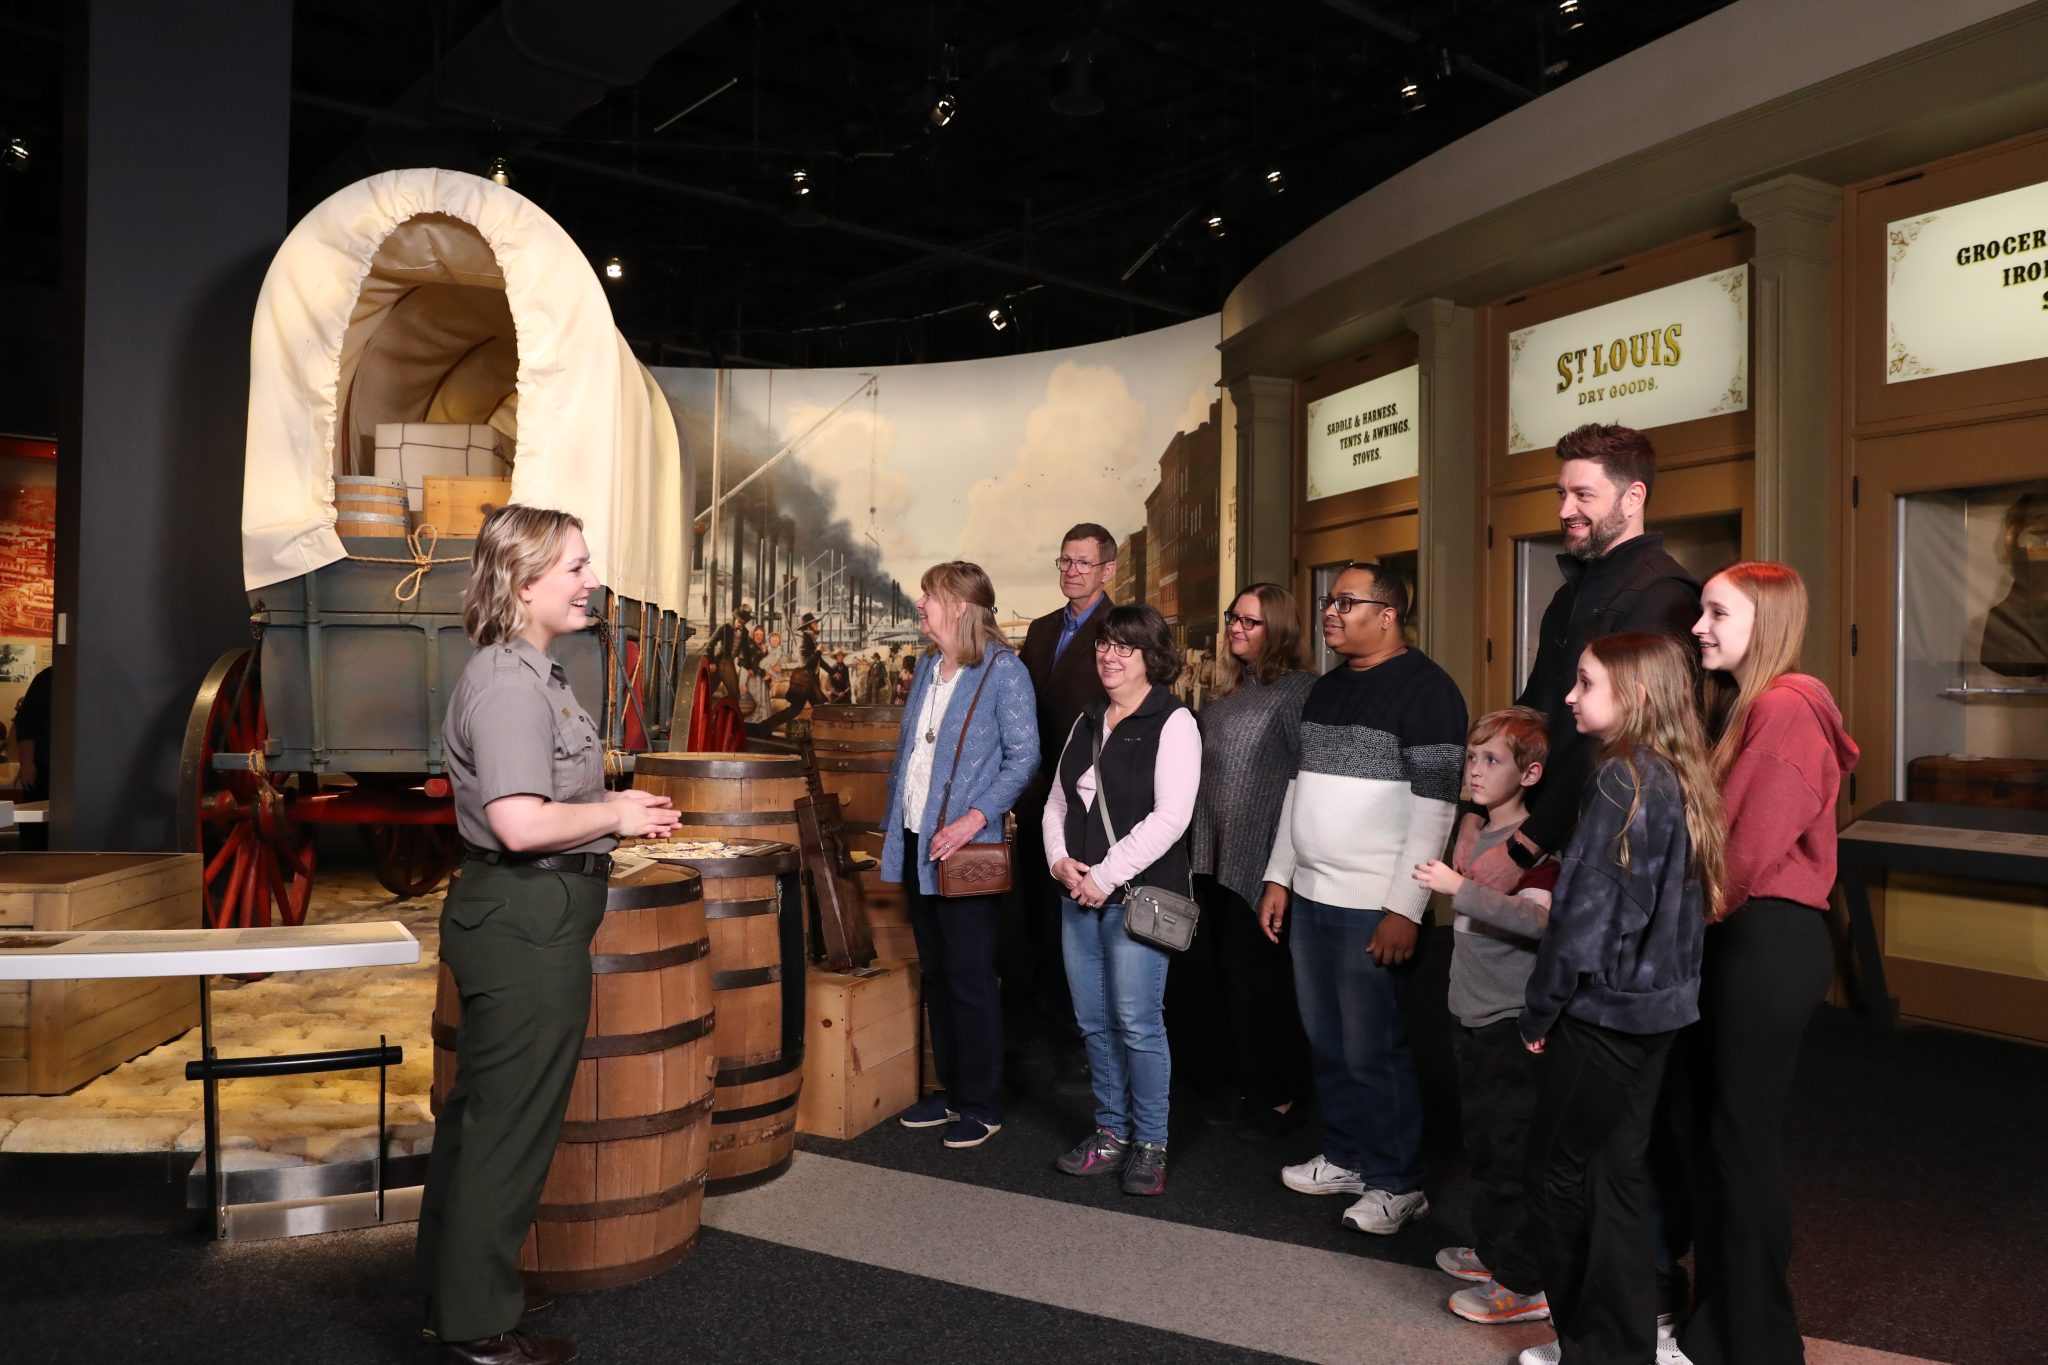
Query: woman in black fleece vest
[(1617, 975)]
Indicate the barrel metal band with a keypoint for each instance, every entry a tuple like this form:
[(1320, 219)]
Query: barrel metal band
[(653, 895), (742, 977), (672, 956), (763, 1071), (619, 1208), (765, 864), (766, 905), (832, 750), (673, 765), (638, 1125), (767, 819), (754, 1111), (614, 1044), (608, 1277)]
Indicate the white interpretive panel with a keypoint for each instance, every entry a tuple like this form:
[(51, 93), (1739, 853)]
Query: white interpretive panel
[(1365, 435), (1967, 286), (1670, 355)]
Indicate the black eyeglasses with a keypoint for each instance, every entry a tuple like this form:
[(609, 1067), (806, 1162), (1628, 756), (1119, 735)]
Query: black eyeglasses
[(1231, 618), (1116, 647), (1345, 604)]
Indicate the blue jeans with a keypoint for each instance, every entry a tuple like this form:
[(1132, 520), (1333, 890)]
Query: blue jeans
[(1119, 987), (1365, 1073)]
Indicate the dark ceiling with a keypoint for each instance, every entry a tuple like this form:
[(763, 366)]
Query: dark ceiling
[(666, 133)]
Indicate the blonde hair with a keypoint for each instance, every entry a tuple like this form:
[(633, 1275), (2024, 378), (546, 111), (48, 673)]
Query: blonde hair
[(961, 581), (1656, 712), (1280, 652), (1779, 596), (516, 546)]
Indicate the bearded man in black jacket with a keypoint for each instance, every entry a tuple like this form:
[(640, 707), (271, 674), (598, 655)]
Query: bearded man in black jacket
[(1616, 578)]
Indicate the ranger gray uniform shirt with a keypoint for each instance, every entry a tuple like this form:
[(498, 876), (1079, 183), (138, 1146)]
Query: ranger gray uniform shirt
[(515, 729)]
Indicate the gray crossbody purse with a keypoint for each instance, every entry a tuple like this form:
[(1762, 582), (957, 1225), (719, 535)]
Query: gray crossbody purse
[(1163, 919)]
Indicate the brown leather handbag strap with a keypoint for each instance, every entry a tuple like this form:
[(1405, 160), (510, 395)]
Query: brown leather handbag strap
[(988, 666)]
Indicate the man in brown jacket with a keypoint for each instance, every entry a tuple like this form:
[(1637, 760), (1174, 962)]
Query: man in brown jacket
[(1059, 651)]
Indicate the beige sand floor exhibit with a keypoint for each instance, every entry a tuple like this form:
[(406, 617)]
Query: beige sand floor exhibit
[(147, 1105)]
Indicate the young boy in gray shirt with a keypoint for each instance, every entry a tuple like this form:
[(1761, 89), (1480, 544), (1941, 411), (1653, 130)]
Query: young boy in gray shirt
[(1495, 949)]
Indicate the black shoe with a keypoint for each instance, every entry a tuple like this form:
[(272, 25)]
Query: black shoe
[(1227, 1111), (1264, 1125), (538, 1301)]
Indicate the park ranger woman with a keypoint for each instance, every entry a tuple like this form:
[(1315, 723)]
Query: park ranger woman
[(538, 826)]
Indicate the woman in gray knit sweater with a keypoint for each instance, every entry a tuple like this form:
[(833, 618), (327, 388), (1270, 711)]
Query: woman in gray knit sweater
[(1251, 747)]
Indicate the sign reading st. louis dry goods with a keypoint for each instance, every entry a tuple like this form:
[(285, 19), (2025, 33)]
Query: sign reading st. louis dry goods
[(1365, 435), (1967, 286), (1670, 355)]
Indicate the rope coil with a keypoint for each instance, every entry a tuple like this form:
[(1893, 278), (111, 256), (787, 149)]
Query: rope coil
[(422, 543)]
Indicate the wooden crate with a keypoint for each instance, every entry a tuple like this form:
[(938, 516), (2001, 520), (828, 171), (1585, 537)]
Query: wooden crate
[(860, 1049), (56, 1035), (457, 506)]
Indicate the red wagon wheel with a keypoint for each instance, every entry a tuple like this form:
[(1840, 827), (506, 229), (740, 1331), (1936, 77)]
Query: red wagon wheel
[(256, 857), (411, 860)]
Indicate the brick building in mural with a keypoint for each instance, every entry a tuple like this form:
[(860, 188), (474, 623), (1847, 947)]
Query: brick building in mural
[(1129, 583), (1181, 521)]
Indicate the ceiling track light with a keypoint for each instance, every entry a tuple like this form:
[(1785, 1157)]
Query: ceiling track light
[(16, 155), (614, 269), (1414, 99), (1217, 229), (799, 210), (998, 317), (944, 108), (1571, 16), (1275, 181), (500, 172)]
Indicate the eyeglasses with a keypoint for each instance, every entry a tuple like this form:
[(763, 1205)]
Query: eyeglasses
[(1066, 565), (1231, 618), (1116, 647), (1345, 604)]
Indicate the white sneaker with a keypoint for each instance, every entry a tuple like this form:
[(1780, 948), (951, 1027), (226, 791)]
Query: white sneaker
[(1495, 1302), (1668, 1352), (1546, 1354), (1464, 1264), (1380, 1212), (1321, 1176)]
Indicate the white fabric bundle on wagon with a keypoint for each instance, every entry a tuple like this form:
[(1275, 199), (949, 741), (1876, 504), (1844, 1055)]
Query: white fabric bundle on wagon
[(434, 296)]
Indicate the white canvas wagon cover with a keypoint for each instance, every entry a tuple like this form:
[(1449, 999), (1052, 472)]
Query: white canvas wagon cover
[(437, 296)]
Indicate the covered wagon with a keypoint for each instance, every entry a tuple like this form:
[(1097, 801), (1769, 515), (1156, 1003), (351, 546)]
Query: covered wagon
[(438, 312)]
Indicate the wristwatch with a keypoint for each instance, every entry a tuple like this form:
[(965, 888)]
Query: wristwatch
[(1524, 857)]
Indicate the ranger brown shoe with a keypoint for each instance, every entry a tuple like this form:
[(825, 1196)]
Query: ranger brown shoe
[(510, 1348)]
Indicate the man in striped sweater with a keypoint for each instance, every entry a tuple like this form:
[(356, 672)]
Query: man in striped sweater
[(1382, 743)]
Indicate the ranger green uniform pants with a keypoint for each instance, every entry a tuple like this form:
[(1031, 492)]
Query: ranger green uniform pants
[(518, 942)]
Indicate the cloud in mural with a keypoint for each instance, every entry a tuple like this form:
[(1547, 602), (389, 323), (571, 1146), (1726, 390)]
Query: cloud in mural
[(1197, 411), (1080, 461), (852, 459)]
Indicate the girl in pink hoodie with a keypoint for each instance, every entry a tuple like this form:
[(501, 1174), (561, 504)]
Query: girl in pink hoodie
[(1781, 753)]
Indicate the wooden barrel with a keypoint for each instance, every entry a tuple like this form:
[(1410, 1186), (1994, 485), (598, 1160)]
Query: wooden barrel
[(731, 797), (856, 748), (365, 506), (755, 913), (625, 1193)]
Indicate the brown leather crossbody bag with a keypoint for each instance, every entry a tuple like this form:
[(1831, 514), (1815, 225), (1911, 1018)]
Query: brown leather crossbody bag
[(975, 869)]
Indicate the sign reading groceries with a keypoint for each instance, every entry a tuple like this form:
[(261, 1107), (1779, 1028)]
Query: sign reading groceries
[(1967, 287), (1670, 355), (1364, 435)]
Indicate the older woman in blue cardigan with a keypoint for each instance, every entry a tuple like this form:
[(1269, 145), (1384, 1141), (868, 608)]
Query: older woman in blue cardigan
[(971, 704)]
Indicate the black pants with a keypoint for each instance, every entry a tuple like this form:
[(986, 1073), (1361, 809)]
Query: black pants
[(1052, 1003), (1589, 1189), (956, 949), (1498, 1081), (1766, 968), (1268, 1051)]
